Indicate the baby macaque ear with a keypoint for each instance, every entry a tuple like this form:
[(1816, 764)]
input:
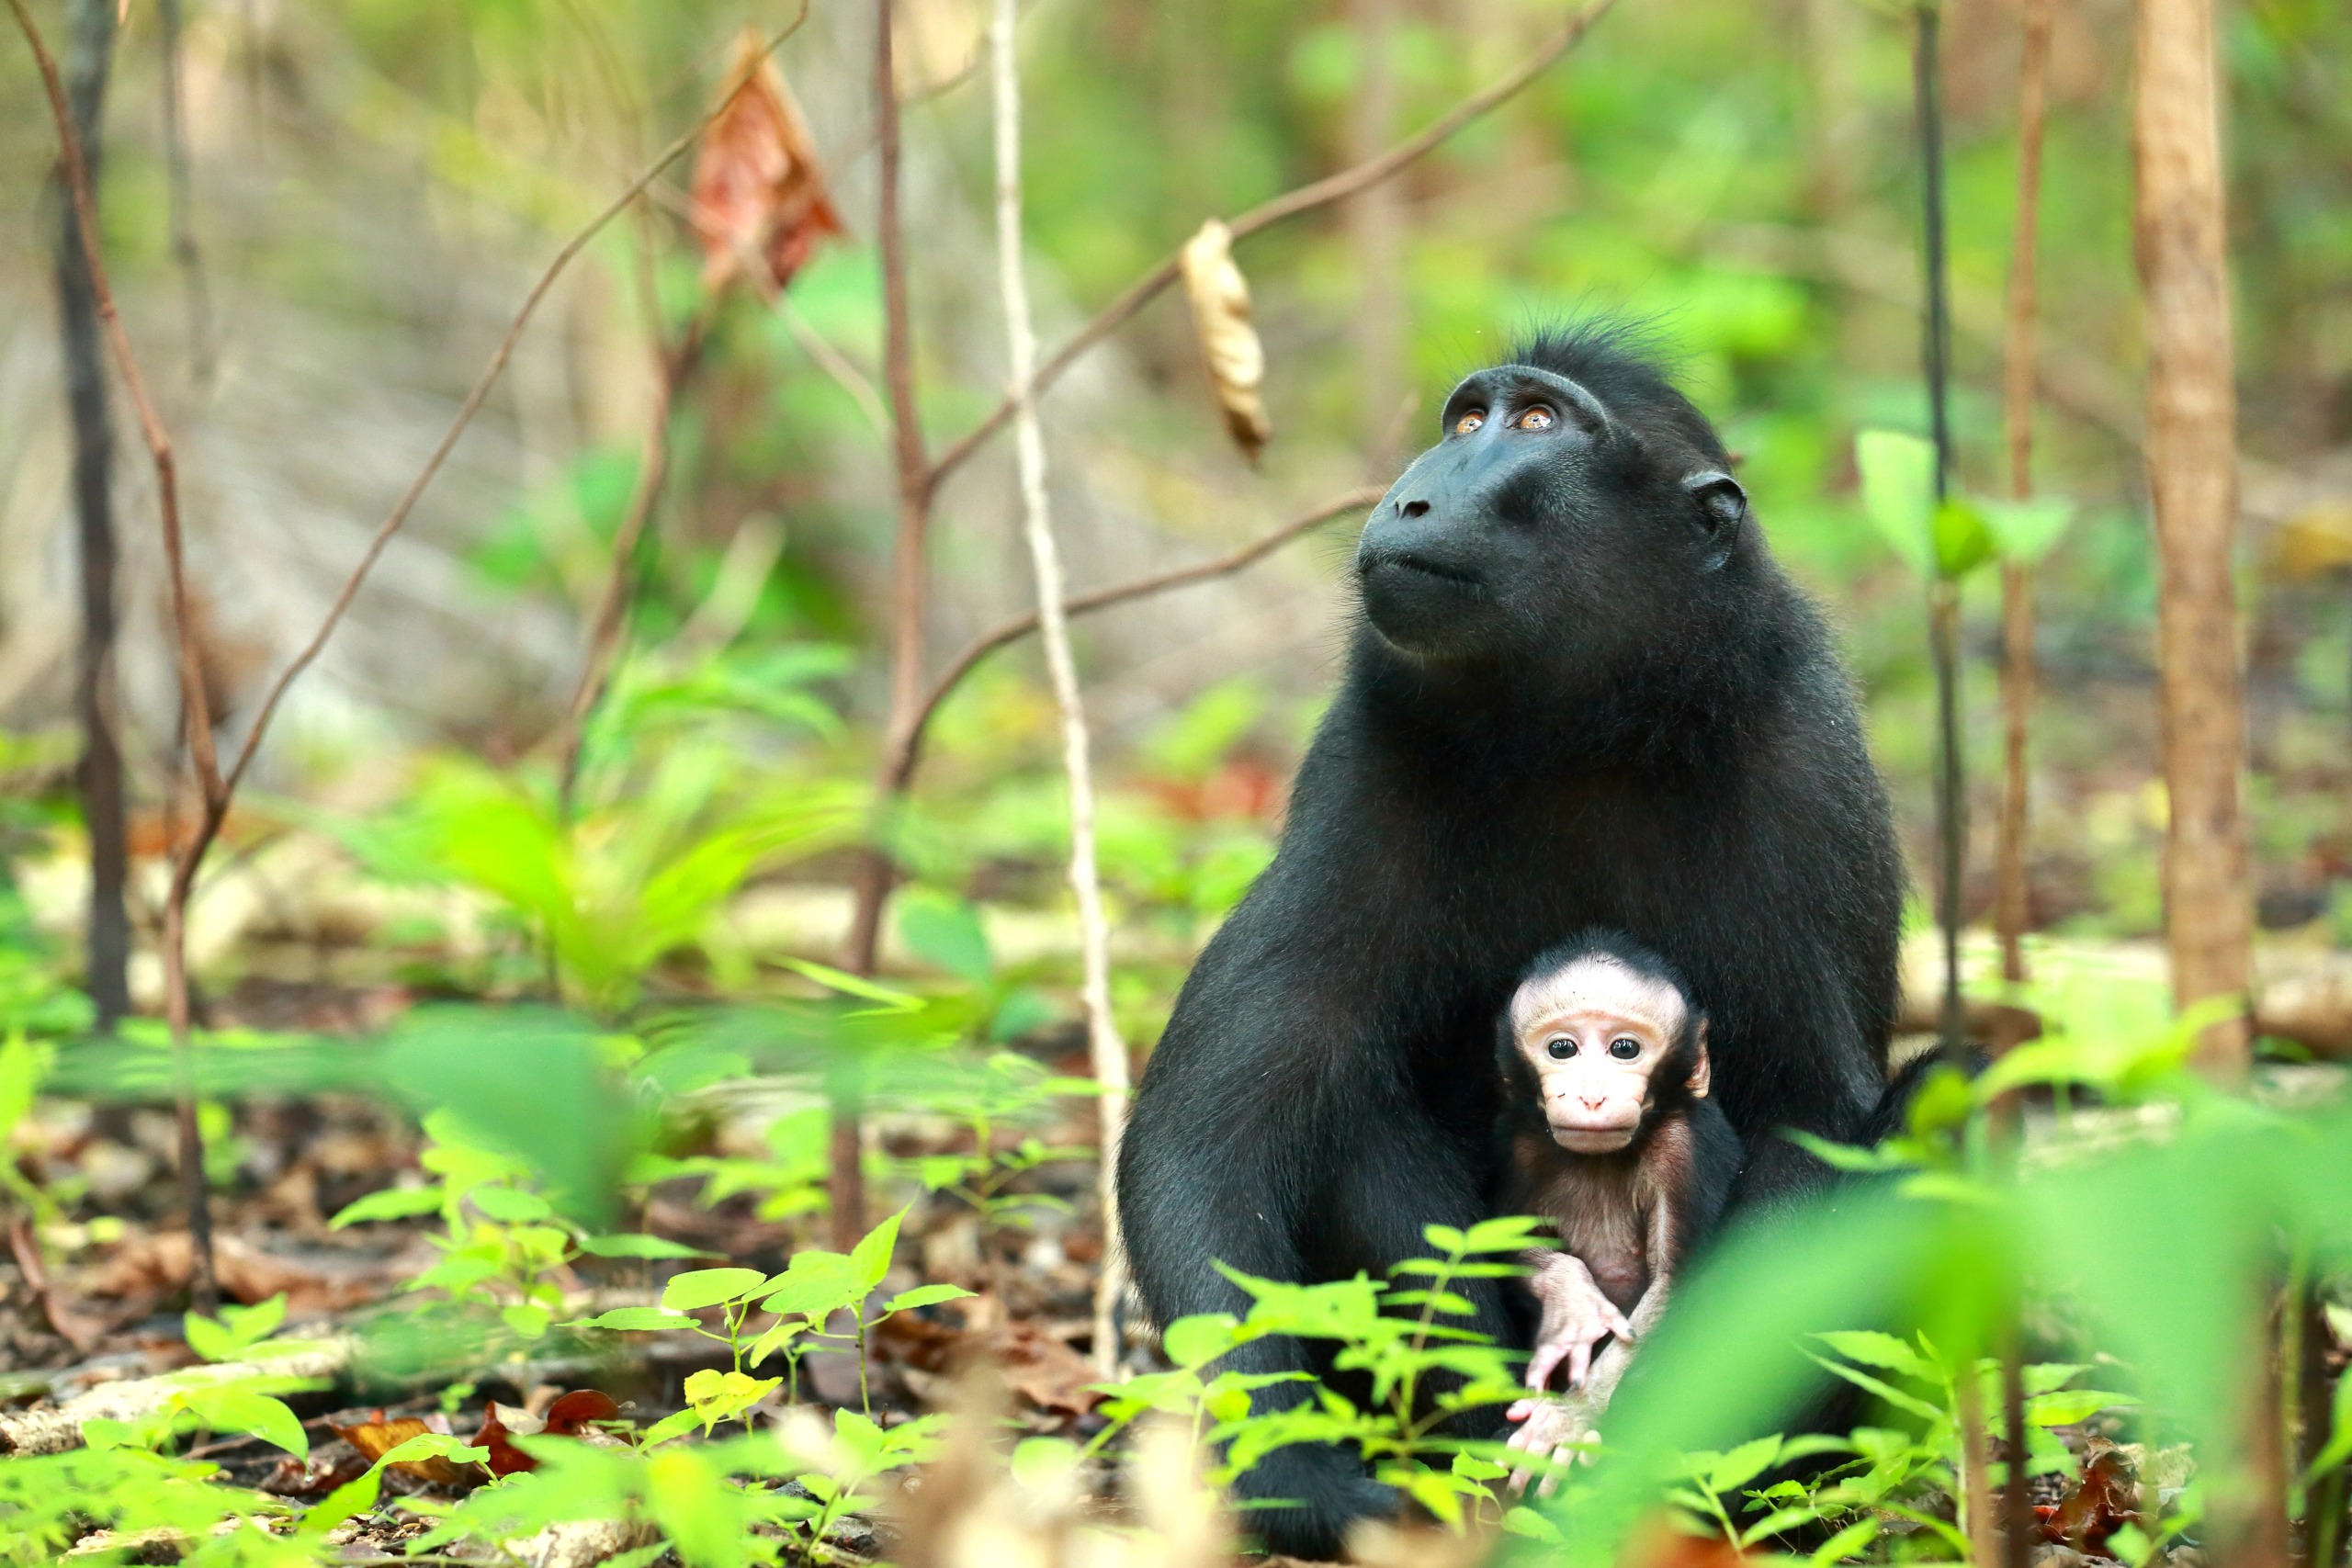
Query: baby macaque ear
[(1701, 1074)]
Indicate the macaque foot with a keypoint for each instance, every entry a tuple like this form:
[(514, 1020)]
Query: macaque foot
[(1548, 1428)]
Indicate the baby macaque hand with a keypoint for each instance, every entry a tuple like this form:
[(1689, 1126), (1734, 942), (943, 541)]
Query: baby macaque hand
[(1577, 1317), (1548, 1428)]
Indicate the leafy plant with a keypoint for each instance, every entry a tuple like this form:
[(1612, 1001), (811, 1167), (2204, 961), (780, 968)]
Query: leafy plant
[(503, 1244), (814, 1287)]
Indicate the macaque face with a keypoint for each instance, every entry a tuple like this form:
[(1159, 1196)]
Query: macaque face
[(1595, 1034)]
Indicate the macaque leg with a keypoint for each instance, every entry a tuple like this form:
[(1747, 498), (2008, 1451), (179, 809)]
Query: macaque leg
[(1557, 1427)]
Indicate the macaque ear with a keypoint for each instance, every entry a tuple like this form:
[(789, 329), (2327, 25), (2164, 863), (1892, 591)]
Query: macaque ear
[(1701, 1073)]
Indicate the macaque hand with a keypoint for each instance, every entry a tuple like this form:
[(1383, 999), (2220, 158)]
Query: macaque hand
[(1553, 1429), (1577, 1317)]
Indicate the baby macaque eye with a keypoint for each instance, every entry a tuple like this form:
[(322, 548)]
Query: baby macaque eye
[(1624, 1047), (1560, 1050)]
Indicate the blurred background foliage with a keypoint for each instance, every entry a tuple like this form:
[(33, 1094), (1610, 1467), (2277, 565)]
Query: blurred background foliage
[(374, 185)]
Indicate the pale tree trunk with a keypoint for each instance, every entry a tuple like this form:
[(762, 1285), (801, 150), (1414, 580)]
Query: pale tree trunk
[(1376, 234), (2192, 474), (1109, 1053), (2012, 900), (89, 54)]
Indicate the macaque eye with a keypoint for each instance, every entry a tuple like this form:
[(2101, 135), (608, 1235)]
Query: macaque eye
[(1624, 1047), (1537, 418), (1561, 1049), (1469, 421)]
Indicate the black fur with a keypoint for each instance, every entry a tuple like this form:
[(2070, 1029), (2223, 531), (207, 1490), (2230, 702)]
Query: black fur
[(1581, 694)]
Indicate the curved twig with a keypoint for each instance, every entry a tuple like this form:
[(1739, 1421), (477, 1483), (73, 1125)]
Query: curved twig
[(1010, 631), (1306, 199)]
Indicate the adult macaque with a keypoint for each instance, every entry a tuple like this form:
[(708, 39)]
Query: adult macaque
[(1582, 696), (1607, 1132)]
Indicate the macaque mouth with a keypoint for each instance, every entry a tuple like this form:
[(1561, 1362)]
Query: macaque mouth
[(1426, 568), (1592, 1137)]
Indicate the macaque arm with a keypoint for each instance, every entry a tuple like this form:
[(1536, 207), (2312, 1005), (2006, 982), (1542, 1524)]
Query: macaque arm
[(1576, 1317)]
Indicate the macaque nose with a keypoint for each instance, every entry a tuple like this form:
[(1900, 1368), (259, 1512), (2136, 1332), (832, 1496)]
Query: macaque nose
[(1594, 1101)]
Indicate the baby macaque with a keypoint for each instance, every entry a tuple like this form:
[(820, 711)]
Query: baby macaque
[(1607, 1134)]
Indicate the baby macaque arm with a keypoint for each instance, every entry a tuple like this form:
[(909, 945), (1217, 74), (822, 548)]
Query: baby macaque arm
[(1576, 1317)]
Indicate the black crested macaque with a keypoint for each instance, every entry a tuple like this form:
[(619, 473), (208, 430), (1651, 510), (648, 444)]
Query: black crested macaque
[(1581, 694), (1606, 1131)]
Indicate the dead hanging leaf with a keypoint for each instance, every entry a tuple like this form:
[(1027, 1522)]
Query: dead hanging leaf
[(2314, 541), (1237, 362), (758, 191)]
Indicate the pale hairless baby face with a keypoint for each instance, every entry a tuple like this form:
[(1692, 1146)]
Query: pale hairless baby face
[(1595, 1032)]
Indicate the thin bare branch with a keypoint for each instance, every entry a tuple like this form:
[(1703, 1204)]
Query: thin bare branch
[(1306, 199), (1107, 1052), (469, 408), (1021, 626)]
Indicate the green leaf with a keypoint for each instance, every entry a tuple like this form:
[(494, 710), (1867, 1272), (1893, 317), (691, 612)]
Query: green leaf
[(816, 1284), (354, 1496), (2025, 531), (508, 1206), (391, 1203), (22, 1066), (1743, 1465), (924, 1296), (708, 1287), (852, 985), (528, 1319), (636, 1318), (1963, 543), (630, 1244), (209, 1340), (870, 1259), (1898, 475), (1197, 1340), (2063, 1407), (674, 1426), (1873, 1349), (229, 1408), (944, 931), (1848, 1543)]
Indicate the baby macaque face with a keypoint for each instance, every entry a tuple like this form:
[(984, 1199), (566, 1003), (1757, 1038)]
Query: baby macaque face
[(1595, 1034)]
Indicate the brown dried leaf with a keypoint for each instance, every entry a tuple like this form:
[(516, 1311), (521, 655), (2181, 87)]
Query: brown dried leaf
[(378, 1437), (1042, 1370), (2107, 1499), (758, 190), (1229, 346)]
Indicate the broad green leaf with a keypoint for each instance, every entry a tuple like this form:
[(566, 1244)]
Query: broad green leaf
[(508, 1206), (924, 1296), (870, 1259), (354, 1496), (708, 1287), (638, 1318), (944, 933), (391, 1203), (631, 1244), (231, 1408), (22, 1066), (1873, 1349), (1197, 1340), (677, 1425), (1848, 1543), (2025, 531), (1898, 475), (1963, 543), (2063, 1407), (528, 1319), (209, 1340), (816, 1284), (1743, 1465)]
